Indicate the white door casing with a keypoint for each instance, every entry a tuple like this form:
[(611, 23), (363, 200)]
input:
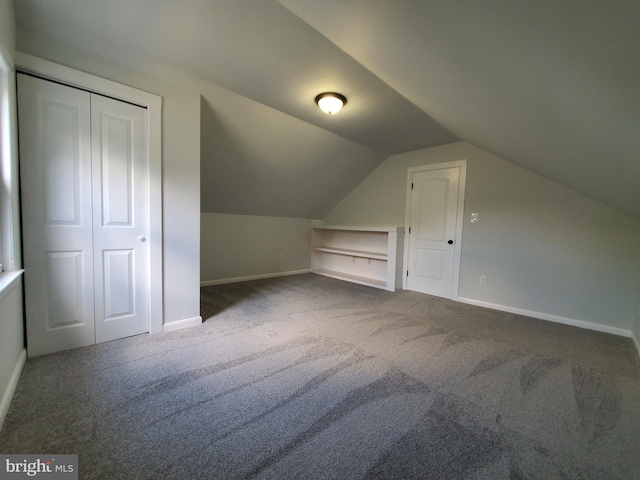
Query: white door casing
[(435, 208), (85, 190)]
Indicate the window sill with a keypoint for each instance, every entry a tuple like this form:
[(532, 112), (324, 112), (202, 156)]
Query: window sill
[(8, 280)]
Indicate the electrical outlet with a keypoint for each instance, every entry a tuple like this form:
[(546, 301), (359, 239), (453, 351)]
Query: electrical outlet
[(483, 279), (474, 217)]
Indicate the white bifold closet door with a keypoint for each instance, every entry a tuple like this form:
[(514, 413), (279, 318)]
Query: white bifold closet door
[(85, 208)]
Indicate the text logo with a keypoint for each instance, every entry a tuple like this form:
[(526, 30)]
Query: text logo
[(50, 467)]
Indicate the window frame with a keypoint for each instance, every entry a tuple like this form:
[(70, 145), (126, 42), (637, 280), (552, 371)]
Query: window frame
[(10, 239)]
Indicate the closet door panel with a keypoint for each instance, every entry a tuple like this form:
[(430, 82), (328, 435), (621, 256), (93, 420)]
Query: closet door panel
[(121, 218), (119, 283), (55, 171)]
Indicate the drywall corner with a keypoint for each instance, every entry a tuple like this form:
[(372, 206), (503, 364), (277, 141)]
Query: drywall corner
[(634, 337), (635, 332)]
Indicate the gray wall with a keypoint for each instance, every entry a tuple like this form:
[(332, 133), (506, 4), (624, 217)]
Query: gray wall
[(7, 27), (180, 164), (546, 249), (259, 161), (237, 246)]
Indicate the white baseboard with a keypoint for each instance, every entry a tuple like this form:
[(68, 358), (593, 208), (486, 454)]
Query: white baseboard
[(11, 387), (207, 283), (180, 324), (551, 318)]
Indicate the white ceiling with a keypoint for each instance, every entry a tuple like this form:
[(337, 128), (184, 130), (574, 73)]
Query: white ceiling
[(550, 85)]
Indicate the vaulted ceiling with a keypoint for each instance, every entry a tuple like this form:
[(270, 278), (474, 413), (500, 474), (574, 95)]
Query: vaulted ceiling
[(552, 86)]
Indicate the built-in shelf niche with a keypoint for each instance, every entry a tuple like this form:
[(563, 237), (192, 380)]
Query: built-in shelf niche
[(369, 256)]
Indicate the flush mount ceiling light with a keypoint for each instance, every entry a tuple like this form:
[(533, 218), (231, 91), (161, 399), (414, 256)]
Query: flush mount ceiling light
[(331, 102)]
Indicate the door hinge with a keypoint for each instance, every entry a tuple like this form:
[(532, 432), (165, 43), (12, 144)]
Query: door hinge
[(409, 229), (411, 185), (407, 273)]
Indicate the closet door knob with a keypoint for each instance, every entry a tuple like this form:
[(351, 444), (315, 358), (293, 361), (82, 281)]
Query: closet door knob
[(450, 242), (142, 239)]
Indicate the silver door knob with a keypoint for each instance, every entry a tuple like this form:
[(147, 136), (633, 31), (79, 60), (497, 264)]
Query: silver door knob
[(142, 239)]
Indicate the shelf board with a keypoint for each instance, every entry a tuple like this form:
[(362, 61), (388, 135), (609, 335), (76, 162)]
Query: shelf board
[(358, 229), (370, 282), (352, 253)]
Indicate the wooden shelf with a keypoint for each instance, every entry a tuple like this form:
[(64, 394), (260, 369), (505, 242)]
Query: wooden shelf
[(358, 229), (352, 253), (364, 255), (353, 278)]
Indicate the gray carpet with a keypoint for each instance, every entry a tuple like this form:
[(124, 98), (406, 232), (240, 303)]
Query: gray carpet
[(306, 377)]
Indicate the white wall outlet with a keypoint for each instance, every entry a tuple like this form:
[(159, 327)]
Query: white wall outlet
[(483, 279), (474, 217)]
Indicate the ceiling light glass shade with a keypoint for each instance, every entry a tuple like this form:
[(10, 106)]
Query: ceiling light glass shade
[(330, 102)]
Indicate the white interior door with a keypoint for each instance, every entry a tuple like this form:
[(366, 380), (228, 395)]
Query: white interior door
[(432, 236), (55, 170), (120, 218), (84, 177)]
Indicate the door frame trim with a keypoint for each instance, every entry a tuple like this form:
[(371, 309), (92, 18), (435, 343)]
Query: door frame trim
[(153, 104), (457, 250)]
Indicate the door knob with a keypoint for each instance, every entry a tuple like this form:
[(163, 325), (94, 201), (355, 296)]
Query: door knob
[(142, 239), (450, 242)]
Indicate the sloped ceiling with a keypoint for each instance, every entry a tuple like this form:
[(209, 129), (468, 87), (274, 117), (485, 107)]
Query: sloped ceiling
[(552, 86)]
